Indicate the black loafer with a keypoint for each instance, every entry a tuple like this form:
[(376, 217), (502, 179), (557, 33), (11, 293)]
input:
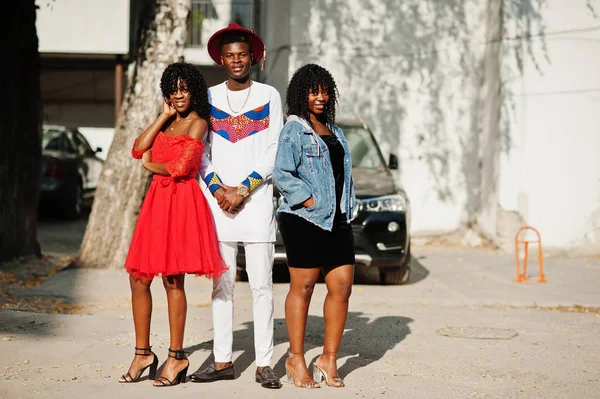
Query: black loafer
[(267, 378), (211, 374)]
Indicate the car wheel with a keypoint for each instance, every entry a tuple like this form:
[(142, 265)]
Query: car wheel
[(73, 206), (398, 276)]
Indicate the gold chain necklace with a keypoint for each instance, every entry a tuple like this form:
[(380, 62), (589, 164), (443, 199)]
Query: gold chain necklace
[(243, 105)]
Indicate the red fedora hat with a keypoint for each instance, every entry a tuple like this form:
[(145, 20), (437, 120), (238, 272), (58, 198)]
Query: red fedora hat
[(214, 43)]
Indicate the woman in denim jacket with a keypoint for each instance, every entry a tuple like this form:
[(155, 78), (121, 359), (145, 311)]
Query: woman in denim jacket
[(313, 173)]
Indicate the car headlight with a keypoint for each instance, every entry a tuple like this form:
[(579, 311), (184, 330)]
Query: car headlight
[(389, 203)]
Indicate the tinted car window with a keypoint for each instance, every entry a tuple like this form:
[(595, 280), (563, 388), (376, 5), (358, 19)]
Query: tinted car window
[(363, 148), (55, 140), (83, 147)]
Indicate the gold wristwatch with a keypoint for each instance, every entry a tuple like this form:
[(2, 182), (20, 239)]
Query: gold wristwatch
[(243, 191)]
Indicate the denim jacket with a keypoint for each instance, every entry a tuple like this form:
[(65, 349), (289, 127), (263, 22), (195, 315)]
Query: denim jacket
[(303, 168)]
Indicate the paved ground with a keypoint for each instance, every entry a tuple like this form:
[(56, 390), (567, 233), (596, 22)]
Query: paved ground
[(460, 329)]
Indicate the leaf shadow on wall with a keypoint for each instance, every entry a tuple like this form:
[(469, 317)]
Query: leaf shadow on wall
[(422, 66)]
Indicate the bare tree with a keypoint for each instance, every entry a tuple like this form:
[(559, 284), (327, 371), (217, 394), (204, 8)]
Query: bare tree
[(20, 130), (162, 34)]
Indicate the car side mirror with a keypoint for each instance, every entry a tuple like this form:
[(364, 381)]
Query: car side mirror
[(393, 162), (98, 150)]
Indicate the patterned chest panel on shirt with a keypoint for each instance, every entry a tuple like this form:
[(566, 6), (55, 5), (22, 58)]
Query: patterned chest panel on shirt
[(236, 128)]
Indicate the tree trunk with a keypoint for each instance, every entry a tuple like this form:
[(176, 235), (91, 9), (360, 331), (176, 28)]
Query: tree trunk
[(124, 181), (20, 131), (491, 145)]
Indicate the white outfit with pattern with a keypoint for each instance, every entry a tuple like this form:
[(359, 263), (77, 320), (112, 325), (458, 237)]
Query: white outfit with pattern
[(241, 149)]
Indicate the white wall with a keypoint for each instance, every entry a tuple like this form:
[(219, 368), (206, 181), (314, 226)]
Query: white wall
[(550, 169), (99, 138), (83, 26), (276, 33), (409, 71), (423, 73)]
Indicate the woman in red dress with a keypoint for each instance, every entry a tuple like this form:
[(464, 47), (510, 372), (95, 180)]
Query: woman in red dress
[(174, 235)]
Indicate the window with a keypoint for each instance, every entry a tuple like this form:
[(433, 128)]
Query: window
[(201, 10), (208, 16), (56, 140), (83, 147), (363, 148)]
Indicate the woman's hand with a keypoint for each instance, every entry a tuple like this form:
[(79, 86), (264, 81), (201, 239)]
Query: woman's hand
[(309, 203), (147, 157), (168, 109)]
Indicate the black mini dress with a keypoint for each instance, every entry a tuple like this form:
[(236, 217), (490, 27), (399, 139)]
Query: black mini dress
[(308, 245)]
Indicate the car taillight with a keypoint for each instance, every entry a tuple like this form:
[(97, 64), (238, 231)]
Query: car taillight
[(55, 169)]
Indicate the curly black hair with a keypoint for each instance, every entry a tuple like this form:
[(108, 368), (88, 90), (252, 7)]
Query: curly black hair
[(309, 78), (187, 74)]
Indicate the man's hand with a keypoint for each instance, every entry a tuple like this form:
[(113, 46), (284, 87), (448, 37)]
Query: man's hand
[(228, 198), (219, 193)]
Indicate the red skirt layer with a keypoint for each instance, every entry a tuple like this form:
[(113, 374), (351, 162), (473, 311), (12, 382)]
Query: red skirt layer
[(175, 232)]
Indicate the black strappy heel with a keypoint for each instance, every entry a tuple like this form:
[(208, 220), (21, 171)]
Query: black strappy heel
[(180, 377), (127, 378)]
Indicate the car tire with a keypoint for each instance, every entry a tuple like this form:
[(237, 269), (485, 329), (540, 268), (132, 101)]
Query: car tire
[(73, 205), (398, 276)]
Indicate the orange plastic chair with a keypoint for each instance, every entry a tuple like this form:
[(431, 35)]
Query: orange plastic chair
[(523, 277)]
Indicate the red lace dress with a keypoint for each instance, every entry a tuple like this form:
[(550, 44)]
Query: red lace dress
[(175, 233)]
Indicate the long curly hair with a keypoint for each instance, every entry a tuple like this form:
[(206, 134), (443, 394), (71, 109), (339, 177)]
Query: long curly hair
[(306, 79), (184, 72)]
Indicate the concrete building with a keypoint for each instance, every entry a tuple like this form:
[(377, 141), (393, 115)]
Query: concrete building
[(85, 47), (490, 106), (549, 169)]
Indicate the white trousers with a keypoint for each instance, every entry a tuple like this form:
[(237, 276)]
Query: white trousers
[(259, 266)]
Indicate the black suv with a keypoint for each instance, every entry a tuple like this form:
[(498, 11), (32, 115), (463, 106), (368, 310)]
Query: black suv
[(382, 213)]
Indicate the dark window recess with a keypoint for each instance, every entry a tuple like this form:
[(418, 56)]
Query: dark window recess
[(203, 10)]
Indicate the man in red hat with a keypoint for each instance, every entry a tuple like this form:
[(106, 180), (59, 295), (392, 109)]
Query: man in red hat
[(246, 118)]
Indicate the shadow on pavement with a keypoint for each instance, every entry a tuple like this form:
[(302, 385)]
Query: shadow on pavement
[(30, 307), (362, 274), (14, 323), (365, 341), (371, 276), (60, 236), (418, 272), (26, 285)]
